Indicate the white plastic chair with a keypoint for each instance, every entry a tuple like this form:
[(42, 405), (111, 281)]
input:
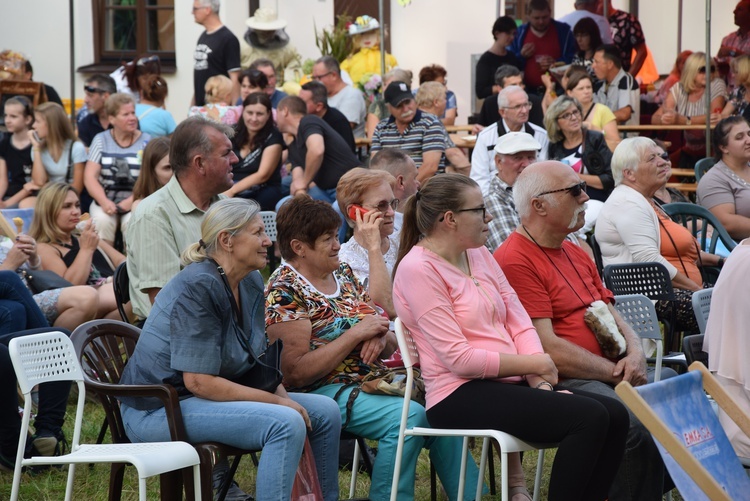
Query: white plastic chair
[(508, 443), (702, 307), (50, 356)]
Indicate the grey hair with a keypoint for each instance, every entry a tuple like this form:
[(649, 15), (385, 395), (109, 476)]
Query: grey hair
[(330, 63), (230, 215), (556, 109), (505, 71), (214, 4), (503, 97), (527, 187), (190, 138), (628, 155)]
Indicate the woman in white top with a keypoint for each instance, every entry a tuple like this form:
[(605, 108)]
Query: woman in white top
[(685, 105), (56, 153)]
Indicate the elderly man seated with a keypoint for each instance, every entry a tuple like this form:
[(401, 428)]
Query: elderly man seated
[(557, 283), (420, 134), (514, 106)]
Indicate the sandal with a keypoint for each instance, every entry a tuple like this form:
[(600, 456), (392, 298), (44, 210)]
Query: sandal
[(519, 489)]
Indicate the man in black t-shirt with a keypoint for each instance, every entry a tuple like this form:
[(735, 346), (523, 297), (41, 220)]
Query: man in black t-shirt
[(97, 89), (217, 51), (315, 96), (318, 154)]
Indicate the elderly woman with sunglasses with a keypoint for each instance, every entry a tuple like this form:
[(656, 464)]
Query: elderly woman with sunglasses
[(633, 228), (685, 105)]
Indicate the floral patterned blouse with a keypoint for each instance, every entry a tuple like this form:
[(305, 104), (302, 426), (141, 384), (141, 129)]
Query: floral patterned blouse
[(290, 296)]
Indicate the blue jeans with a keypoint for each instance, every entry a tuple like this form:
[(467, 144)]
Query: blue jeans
[(378, 417), (18, 310), (276, 429)]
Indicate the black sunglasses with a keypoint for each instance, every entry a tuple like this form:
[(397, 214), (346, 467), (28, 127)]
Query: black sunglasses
[(475, 209), (702, 69), (574, 190), (93, 90)]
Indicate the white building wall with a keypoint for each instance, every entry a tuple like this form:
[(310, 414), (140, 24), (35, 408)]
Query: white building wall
[(445, 32)]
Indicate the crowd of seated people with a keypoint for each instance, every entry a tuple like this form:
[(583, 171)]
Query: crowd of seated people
[(411, 228)]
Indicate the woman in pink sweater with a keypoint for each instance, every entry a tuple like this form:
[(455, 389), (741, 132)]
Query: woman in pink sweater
[(481, 358)]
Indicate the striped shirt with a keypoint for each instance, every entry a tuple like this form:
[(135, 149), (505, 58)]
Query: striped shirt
[(161, 227), (120, 166), (424, 133)]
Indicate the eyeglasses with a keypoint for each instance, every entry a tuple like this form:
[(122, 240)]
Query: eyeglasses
[(569, 115), (321, 77), (702, 69), (383, 206), (201, 7), (574, 190), (93, 90), (519, 107), (475, 209)]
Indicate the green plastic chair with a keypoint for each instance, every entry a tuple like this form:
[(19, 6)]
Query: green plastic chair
[(702, 166), (696, 219)]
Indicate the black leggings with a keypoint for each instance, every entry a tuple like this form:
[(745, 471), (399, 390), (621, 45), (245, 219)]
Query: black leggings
[(589, 428)]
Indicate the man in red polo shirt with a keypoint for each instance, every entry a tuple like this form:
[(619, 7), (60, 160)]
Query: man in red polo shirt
[(541, 42)]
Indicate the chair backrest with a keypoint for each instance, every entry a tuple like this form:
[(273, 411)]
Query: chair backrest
[(44, 358), (26, 214), (702, 166), (693, 445), (703, 225), (692, 346), (269, 221), (639, 312), (702, 306), (406, 345), (597, 251), (121, 282), (103, 348), (650, 279)]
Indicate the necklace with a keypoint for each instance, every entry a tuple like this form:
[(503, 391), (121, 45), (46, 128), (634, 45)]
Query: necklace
[(585, 285), (132, 140)]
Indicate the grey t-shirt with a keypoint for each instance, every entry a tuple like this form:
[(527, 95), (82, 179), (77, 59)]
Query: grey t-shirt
[(722, 186), (58, 171), (351, 103)]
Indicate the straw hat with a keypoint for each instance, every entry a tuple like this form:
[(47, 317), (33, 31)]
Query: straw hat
[(363, 24)]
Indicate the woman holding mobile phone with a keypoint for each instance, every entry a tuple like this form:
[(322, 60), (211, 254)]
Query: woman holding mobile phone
[(366, 197), (57, 155)]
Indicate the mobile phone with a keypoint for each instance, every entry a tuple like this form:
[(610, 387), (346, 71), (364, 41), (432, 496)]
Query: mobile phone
[(353, 211), (36, 136)]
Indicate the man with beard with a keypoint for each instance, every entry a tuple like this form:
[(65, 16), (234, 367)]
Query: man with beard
[(418, 134), (556, 282)]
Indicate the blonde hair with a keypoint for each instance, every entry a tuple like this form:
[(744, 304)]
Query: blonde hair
[(59, 129), (741, 68), (428, 92), (218, 89), (117, 101), (44, 228), (229, 215), (692, 64), (354, 184)]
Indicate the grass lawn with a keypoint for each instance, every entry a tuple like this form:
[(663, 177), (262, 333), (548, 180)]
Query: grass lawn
[(92, 483)]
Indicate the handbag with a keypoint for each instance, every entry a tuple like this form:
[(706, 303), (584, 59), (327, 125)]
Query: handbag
[(265, 371), (306, 486), (265, 374), (42, 280)]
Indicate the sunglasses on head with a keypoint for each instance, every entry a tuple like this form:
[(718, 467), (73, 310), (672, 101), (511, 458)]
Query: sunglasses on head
[(702, 69), (147, 59), (93, 90), (574, 190)]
